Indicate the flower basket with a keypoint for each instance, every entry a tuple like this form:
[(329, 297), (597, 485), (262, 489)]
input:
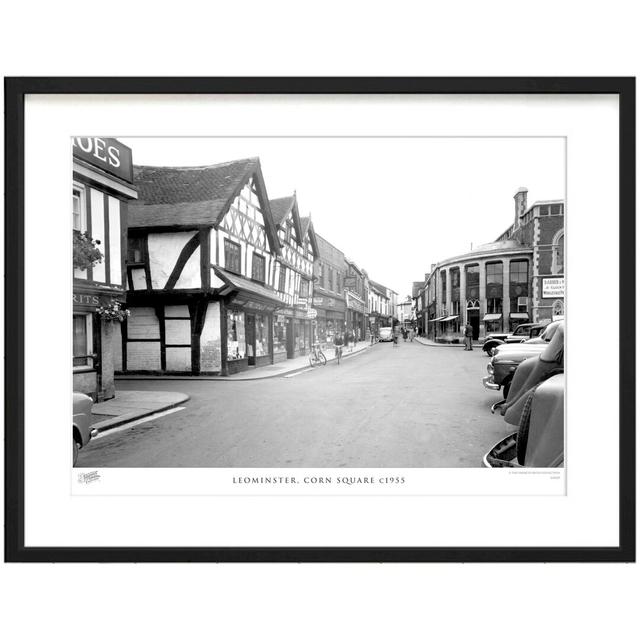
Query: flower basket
[(112, 312), (85, 251)]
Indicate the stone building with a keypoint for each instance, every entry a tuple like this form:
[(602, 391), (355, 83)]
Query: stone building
[(517, 278)]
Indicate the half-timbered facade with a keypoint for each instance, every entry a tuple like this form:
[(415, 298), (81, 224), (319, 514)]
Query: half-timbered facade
[(202, 269), (293, 328), (102, 187)]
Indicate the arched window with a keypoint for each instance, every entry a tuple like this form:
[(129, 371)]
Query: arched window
[(557, 262)]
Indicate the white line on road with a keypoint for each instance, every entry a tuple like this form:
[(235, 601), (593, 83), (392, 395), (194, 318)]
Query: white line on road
[(128, 425), (297, 373)]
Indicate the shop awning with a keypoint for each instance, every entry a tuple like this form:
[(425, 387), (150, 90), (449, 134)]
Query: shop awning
[(519, 316), (248, 289), (438, 319), (447, 318), (490, 317)]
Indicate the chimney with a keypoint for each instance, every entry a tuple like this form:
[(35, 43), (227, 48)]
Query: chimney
[(521, 205)]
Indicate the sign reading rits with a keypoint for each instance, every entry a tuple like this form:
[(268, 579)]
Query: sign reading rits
[(553, 287), (107, 154)]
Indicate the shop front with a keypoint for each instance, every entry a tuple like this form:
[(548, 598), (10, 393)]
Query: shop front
[(355, 316), (102, 186), (95, 340), (330, 319), (249, 336)]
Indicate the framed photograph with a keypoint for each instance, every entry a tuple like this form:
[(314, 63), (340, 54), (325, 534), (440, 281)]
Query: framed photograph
[(320, 319)]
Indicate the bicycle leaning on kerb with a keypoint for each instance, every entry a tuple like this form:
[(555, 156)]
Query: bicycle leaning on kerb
[(316, 356)]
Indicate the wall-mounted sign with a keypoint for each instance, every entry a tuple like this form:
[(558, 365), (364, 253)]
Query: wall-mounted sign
[(312, 313), (106, 153), (553, 287)]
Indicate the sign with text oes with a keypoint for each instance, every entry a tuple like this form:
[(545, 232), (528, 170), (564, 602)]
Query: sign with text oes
[(107, 154), (553, 287)]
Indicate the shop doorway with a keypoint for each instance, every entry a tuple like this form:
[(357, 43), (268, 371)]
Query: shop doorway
[(290, 338), (251, 338), (473, 317)]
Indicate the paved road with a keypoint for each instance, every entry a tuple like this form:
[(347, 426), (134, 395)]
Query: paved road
[(405, 406)]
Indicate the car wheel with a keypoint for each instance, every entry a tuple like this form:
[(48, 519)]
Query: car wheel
[(523, 431), (505, 389)]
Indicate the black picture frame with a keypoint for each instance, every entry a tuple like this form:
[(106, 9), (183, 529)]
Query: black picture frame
[(15, 91)]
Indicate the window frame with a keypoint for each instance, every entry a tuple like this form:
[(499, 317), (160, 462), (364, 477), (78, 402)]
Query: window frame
[(228, 244), (89, 350), (258, 258), (83, 206)]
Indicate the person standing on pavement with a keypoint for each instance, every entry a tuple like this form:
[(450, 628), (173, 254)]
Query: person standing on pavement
[(468, 337)]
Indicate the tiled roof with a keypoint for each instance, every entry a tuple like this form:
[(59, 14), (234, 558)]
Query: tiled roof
[(304, 224), (378, 287), (175, 196), (280, 207)]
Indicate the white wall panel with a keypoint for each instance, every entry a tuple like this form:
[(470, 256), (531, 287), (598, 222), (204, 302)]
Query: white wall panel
[(143, 323), (97, 231), (177, 331), (178, 359), (176, 311), (143, 356), (115, 241), (190, 276), (139, 279), (164, 250)]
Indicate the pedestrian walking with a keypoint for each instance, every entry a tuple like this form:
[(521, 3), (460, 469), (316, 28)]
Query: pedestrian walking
[(468, 337), (411, 334)]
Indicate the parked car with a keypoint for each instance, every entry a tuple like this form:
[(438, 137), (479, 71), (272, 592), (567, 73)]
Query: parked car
[(81, 430), (521, 333), (535, 405), (385, 334), (508, 356)]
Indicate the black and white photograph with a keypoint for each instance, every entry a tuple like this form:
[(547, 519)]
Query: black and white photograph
[(318, 302)]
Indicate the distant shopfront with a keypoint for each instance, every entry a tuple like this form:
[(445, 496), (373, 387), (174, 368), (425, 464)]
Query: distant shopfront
[(330, 317)]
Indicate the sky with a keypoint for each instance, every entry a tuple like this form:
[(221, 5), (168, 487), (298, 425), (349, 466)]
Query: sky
[(392, 205)]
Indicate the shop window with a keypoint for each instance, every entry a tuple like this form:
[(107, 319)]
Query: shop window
[(82, 340), (79, 208), (135, 246), (258, 267), (494, 305), (473, 281), (443, 279), (262, 336), (494, 280), (279, 334), (519, 278), (232, 256), (236, 341), (282, 278)]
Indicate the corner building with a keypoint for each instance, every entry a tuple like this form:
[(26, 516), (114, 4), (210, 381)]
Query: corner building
[(205, 271), (102, 188), (517, 278)]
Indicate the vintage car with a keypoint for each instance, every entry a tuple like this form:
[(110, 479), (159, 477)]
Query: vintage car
[(535, 405), (504, 363), (521, 333), (81, 430), (385, 334)]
